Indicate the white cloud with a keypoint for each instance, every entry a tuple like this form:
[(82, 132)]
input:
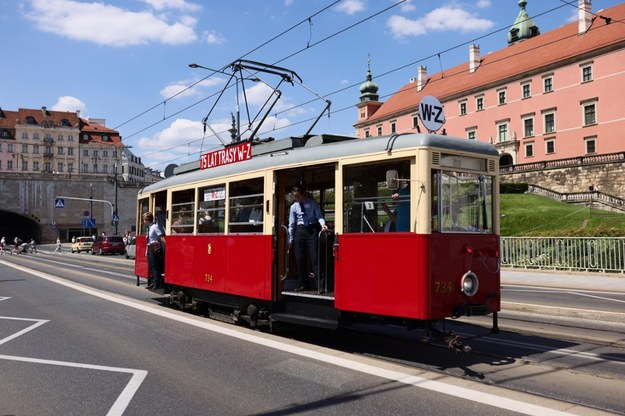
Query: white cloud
[(407, 6), (183, 89), (351, 6), (109, 25), (213, 38), (67, 103), (447, 18), (483, 4), (173, 4)]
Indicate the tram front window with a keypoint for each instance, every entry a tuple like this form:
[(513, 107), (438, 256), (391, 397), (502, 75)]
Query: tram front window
[(462, 202)]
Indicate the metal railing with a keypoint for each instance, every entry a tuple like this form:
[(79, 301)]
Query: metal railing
[(596, 254)]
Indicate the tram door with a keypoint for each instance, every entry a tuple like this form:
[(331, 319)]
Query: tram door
[(319, 182)]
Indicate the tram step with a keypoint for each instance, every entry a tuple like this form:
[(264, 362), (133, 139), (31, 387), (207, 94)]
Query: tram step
[(305, 320)]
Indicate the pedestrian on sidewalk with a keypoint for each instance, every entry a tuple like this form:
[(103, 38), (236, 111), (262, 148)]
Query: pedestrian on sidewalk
[(58, 245)]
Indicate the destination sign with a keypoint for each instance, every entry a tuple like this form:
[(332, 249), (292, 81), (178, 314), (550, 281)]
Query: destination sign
[(231, 154)]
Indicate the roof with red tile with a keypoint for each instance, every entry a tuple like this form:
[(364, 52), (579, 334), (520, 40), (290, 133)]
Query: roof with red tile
[(535, 55)]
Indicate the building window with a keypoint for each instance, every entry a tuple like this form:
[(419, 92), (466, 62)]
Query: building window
[(24, 165), (548, 84), (10, 147), (85, 152), (59, 167), (502, 96), (550, 146), (60, 137), (24, 148), (529, 149), (393, 127), (367, 133), (30, 120), (24, 135), (590, 115), (9, 165), (35, 166), (471, 134), (591, 145), (70, 166), (479, 103), (586, 73), (60, 150), (502, 132), (463, 107), (70, 151), (379, 130), (550, 123), (526, 90), (528, 127), (70, 138), (35, 136), (47, 167), (415, 122), (35, 149)]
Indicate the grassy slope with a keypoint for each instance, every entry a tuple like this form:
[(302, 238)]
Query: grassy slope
[(533, 215)]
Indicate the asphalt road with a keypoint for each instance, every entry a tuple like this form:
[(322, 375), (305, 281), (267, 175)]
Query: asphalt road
[(70, 349)]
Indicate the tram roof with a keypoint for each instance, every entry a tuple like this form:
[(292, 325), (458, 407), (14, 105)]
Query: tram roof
[(299, 150)]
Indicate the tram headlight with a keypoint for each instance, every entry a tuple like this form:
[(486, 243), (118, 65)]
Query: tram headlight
[(469, 283)]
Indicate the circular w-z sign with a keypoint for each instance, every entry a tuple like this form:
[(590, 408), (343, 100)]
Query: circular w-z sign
[(431, 113)]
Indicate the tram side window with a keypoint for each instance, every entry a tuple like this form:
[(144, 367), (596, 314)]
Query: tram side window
[(182, 208), (246, 206), (211, 212), (143, 206), (369, 205), (464, 201)]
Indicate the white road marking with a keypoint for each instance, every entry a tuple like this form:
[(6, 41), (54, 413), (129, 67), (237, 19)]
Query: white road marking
[(124, 398), (400, 377)]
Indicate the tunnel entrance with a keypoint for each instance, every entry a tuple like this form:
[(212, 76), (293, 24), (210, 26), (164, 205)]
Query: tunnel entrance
[(15, 225)]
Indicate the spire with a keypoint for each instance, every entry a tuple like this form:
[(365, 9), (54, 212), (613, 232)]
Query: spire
[(369, 89), (523, 27)]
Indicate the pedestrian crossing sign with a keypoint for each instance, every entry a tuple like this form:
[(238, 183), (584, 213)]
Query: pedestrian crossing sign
[(59, 203)]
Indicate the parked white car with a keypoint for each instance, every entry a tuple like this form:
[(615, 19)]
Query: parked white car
[(131, 248)]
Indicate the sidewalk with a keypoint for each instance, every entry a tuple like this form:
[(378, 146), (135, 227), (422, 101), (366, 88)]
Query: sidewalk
[(563, 279)]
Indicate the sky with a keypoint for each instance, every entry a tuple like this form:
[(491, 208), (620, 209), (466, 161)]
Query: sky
[(127, 61)]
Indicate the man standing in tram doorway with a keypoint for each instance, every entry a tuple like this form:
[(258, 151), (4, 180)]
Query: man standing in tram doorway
[(305, 223)]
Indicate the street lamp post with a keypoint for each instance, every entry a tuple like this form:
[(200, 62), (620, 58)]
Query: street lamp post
[(90, 209), (115, 220)]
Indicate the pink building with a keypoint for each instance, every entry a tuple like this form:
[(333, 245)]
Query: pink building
[(545, 96)]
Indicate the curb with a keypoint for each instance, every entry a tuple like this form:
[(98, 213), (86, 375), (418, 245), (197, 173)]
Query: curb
[(590, 315)]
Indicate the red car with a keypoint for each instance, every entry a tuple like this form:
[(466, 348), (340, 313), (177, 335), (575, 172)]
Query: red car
[(109, 244)]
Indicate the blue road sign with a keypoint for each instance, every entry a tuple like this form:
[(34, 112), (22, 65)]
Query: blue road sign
[(59, 203), (88, 222), (116, 219)]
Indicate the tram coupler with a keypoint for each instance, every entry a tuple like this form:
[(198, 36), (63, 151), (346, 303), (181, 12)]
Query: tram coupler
[(451, 339)]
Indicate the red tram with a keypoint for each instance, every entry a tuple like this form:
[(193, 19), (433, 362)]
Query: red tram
[(444, 264)]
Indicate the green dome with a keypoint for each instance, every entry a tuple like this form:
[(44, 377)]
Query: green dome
[(523, 27), (369, 89)]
